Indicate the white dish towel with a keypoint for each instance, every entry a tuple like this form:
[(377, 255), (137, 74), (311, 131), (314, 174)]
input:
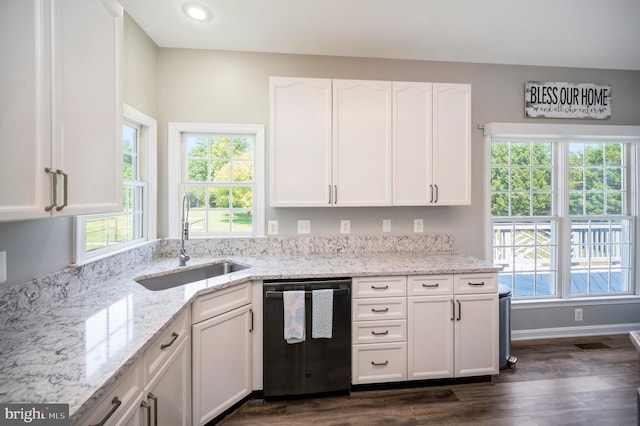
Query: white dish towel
[(322, 314), (293, 302)]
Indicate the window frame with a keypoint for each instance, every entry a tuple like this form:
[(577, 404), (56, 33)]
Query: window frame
[(175, 172), (568, 133), (147, 163)]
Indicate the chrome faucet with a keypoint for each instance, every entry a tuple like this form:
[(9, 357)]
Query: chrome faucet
[(182, 257)]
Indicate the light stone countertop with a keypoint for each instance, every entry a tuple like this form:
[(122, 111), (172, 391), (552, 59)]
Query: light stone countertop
[(72, 351)]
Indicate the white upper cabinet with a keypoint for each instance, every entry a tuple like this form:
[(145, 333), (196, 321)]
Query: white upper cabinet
[(452, 144), (60, 130), (431, 144), (362, 143), (300, 142), (369, 143), (412, 143)]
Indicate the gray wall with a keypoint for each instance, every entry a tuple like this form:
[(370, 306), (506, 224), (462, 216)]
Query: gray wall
[(39, 247), (233, 87)]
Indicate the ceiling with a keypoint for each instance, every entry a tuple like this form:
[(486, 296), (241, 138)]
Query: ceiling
[(567, 33)]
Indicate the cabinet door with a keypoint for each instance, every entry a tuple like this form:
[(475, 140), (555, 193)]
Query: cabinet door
[(300, 142), (362, 145), (412, 143), (87, 131), (430, 337), (452, 143), (24, 125), (171, 388), (476, 335), (221, 363)]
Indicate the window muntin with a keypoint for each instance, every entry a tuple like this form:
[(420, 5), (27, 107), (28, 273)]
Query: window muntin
[(218, 176), (527, 223)]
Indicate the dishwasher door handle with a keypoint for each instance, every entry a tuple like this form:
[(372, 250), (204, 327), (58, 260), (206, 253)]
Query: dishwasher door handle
[(275, 294)]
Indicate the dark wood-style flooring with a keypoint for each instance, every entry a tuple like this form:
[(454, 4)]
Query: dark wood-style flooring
[(555, 382)]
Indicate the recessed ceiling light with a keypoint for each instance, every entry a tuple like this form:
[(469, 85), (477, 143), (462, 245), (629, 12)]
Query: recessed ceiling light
[(196, 11)]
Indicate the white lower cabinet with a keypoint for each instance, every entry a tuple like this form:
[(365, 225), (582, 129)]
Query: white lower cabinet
[(447, 334), (222, 359), (476, 335)]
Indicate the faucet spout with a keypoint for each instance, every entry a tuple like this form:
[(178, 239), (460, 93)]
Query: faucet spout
[(184, 231)]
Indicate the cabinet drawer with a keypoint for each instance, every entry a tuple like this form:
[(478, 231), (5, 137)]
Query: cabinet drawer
[(216, 303), (127, 390), (379, 331), (476, 283), (379, 286), (379, 309), (424, 285), (377, 363), (165, 345)]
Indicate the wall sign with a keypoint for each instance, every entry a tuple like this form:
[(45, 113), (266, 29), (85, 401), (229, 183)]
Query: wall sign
[(567, 100)]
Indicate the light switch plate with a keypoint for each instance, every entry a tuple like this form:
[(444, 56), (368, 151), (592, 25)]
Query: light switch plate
[(3, 266), (304, 227), (272, 227), (386, 225), (418, 225), (345, 226)]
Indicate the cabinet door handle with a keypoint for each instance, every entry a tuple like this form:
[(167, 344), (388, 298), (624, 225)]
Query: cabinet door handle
[(431, 285), (335, 194), (384, 287), (379, 310), (155, 407), (459, 310), (436, 200), (330, 195), (65, 192), (145, 404), (481, 283), (453, 310), (116, 403), (54, 196), (380, 333), (251, 312), (174, 336), (378, 364)]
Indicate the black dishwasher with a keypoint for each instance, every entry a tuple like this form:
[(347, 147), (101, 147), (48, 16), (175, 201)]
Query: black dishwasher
[(315, 365)]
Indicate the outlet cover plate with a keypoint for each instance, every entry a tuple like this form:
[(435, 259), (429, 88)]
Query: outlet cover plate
[(345, 226), (386, 225), (418, 225), (304, 227), (272, 227)]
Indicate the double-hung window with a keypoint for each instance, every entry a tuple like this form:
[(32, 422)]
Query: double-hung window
[(98, 235), (561, 216), (219, 167)]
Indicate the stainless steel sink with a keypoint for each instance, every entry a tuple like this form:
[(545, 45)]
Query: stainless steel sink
[(186, 276)]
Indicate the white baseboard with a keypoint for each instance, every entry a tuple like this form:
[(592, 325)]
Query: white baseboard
[(587, 330)]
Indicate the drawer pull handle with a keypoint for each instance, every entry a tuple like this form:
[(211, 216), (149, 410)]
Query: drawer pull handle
[(476, 284), (116, 403), (431, 285), (379, 310), (174, 336), (155, 407), (380, 333), (380, 364), (384, 287)]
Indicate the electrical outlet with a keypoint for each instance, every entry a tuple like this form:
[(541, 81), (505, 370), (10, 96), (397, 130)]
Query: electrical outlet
[(345, 226), (3, 266), (273, 227), (304, 227), (418, 225), (386, 225), (577, 314)]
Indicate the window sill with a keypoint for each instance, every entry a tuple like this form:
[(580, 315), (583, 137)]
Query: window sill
[(578, 301)]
